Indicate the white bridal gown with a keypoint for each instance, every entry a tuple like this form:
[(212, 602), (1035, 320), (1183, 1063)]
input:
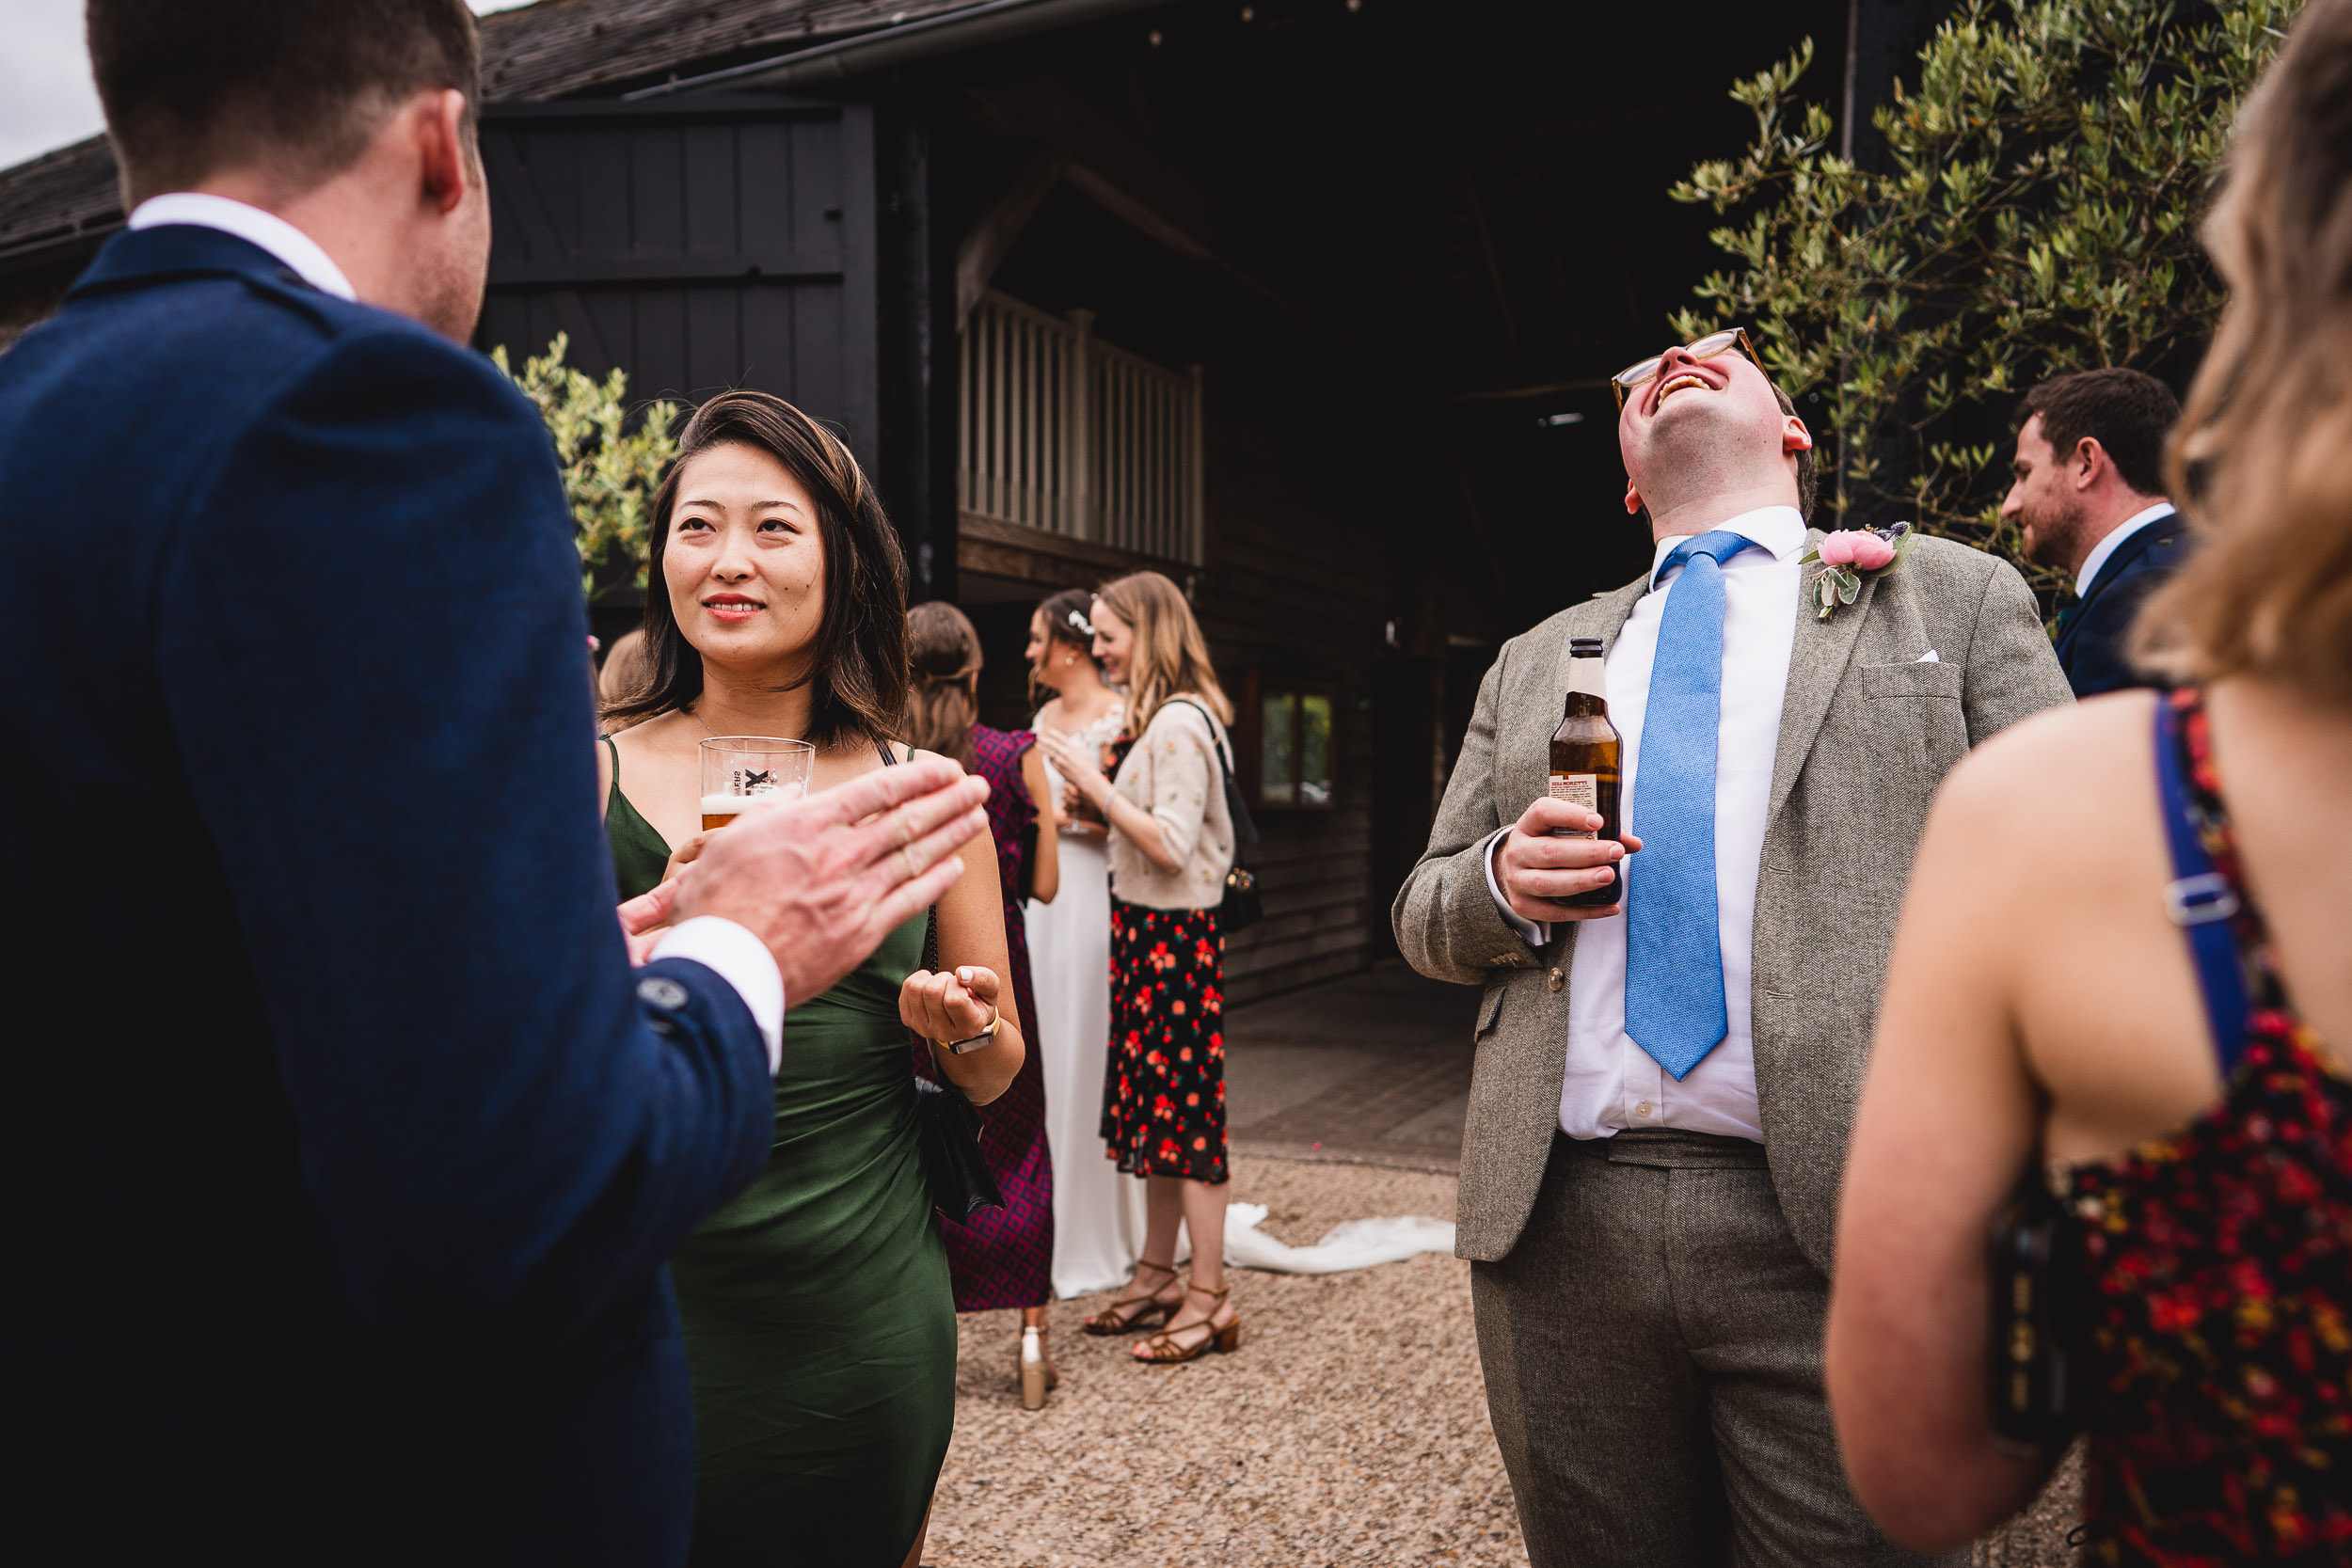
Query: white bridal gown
[(1098, 1213)]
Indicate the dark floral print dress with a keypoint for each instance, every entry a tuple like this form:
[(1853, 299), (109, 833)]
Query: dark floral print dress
[(1003, 1258), (2219, 1300), (1164, 1087)]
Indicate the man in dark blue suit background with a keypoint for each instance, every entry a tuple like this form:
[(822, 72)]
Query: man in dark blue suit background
[(345, 1145), (2088, 496)]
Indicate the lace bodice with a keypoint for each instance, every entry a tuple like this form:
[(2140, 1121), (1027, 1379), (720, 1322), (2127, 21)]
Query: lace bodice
[(1098, 734)]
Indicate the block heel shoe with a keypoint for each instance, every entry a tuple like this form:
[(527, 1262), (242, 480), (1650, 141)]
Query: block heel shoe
[(1129, 1313), (1163, 1349)]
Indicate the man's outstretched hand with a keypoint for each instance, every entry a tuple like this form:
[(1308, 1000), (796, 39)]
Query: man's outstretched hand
[(821, 881), (1535, 869)]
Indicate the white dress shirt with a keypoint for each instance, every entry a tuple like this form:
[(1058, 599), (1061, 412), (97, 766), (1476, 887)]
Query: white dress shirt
[(721, 946), (2105, 548), (273, 233), (1612, 1083)]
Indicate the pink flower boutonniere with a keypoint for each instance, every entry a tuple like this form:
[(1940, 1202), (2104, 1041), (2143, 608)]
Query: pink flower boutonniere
[(1850, 555)]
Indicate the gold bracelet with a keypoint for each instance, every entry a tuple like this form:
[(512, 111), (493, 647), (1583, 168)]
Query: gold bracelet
[(958, 1048)]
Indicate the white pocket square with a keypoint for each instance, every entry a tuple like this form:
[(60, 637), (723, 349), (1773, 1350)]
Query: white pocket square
[(1928, 658)]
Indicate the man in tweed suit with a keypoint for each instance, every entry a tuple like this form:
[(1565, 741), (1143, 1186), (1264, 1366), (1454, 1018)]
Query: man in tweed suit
[(1663, 1088)]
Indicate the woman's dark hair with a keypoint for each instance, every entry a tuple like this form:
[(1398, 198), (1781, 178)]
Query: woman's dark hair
[(944, 703), (1060, 627), (858, 667)]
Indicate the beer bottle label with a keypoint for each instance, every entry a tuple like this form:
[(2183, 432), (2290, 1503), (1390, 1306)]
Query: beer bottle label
[(1580, 789)]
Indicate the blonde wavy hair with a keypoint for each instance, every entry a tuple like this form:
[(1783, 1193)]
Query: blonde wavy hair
[(2262, 462), (1170, 656)]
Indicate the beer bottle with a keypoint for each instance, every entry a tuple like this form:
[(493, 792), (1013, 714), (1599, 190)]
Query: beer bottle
[(1587, 756)]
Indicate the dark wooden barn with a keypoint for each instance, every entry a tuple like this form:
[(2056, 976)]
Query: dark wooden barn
[(1309, 303)]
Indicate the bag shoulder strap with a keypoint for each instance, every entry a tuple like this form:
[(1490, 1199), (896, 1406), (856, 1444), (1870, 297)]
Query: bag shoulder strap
[(1245, 826), (2199, 899), (1219, 741)]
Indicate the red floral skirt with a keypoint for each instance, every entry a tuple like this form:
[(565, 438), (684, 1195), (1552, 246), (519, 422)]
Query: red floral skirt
[(1164, 1094)]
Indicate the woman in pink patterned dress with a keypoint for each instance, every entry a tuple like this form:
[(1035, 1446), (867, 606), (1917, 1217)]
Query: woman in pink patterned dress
[(1001, 1257)]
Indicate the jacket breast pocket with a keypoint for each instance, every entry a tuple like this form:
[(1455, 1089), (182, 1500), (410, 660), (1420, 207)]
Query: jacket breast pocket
[(1912, 680), (1914, 713)]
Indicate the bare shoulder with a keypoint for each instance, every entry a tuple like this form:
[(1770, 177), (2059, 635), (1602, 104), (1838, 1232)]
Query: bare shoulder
[(2059, 772), (646, 737)]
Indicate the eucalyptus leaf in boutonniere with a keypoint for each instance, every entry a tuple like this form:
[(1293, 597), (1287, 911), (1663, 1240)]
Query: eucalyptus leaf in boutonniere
[(1850, 555)]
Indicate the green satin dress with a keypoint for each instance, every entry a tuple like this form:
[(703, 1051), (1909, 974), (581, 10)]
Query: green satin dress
[(820, 1333)]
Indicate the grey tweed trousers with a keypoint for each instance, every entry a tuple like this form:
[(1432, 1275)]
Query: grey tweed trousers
[(1652, 1349)]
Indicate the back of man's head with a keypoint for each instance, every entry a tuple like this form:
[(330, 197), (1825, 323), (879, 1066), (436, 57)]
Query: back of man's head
[(2129, 413), (295, 88)]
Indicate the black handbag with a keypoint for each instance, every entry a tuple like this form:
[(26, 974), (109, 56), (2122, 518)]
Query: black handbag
[(949, 1128), (2032, 1262), (1242, 906)]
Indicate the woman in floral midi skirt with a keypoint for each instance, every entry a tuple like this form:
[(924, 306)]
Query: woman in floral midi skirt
[(1164, 1097), (1171, 843)]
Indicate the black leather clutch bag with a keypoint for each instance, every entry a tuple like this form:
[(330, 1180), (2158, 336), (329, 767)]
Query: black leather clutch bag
[(2032, 1266), (949, 1128), (961, 1183)]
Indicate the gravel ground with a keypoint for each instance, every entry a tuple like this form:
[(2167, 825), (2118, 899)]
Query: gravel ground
[(1351, 1428)]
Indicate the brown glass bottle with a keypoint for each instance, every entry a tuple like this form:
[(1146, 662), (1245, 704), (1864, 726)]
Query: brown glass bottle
[(1587, 758)]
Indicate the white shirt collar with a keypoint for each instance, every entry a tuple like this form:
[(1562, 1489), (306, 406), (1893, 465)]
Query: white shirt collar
[(273, 233), (2107, 547), (1778, 529)]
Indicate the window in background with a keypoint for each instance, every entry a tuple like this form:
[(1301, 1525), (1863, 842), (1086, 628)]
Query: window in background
[(1295, 751)]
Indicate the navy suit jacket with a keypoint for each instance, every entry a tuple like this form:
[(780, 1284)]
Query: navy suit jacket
[(2093, 635), (344, 1147)]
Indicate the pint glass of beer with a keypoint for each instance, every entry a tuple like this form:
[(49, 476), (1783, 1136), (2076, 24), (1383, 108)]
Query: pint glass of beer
[(741, 770)]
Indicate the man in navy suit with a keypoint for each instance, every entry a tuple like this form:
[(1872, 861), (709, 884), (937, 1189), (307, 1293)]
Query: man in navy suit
[(345, 1144), (2088, 494)]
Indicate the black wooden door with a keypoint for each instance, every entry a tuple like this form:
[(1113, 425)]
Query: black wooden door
[(698, 244)]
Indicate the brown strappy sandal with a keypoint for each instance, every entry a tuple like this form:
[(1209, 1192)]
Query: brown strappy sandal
[(1161, 1349), (1129, 1313)]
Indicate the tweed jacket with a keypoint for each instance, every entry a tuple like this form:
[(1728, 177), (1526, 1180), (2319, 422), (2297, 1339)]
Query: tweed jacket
[(1867, 731)]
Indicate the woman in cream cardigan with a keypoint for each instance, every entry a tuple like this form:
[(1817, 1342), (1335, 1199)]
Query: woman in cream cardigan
[(1171, 843)]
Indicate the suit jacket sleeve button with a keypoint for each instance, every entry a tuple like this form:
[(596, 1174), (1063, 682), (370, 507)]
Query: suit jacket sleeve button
[(1556, 980)]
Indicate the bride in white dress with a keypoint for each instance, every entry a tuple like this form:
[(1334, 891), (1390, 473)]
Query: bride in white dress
[(1098, 1213)]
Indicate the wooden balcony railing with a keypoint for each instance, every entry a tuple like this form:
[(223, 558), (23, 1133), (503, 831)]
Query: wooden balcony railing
[(1063, 433)]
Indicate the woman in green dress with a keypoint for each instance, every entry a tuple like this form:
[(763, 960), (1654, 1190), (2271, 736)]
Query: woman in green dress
[(819, 1330)]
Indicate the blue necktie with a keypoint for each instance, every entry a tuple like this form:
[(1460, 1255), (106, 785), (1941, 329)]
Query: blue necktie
[(1674, 960)]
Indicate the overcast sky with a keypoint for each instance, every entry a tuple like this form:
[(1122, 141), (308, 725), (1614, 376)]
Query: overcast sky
[(46, 100)]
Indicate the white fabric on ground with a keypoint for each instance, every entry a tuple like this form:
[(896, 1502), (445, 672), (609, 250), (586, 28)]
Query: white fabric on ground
[(1353, 1244)]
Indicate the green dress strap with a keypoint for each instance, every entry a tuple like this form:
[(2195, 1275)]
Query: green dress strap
[(639, 854)]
